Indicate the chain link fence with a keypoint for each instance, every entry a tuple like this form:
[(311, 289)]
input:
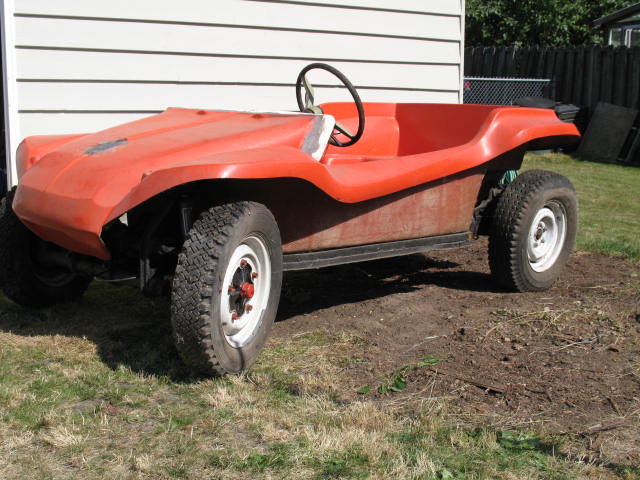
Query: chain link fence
[(503, 91)]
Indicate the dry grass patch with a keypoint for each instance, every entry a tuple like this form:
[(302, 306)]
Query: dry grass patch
[(79, 405)]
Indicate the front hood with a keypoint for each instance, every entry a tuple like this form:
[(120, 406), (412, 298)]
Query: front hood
[(123, 154), (66, 195)]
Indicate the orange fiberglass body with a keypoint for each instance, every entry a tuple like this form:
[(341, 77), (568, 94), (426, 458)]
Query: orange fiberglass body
[(418, 167)]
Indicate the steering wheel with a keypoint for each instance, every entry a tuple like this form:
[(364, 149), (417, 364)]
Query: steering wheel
[(309, 102)]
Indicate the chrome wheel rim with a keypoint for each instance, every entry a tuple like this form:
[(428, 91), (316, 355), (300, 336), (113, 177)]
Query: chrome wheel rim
[(546, 236), (245, 290)]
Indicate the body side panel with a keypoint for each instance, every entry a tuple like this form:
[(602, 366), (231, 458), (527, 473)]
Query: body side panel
[(310, 220)]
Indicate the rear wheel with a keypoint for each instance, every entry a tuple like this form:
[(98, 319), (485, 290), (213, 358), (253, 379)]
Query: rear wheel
[(534, 228), (226, 287), (23, 277)]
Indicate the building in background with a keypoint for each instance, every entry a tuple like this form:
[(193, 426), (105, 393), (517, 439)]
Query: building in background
[(622, 26), (77, 66)]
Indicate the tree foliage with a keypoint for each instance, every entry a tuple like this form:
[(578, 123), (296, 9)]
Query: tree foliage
[(536, 22)]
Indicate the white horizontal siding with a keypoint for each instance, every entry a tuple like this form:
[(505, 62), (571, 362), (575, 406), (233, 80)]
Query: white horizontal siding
[(287, 16), (188, 39), (145, 97), (77, 118), (450, 7), (125, 67), (87, 65)]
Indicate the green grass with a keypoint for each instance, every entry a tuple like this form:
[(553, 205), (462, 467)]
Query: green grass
[(95, 390), (609, 197)]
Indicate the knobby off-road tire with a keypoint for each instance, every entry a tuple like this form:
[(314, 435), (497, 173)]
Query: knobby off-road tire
[(22, 278), (533, 231), (226, 287)]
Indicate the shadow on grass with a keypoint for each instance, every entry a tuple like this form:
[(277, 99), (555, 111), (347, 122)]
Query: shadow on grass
[(308, 291), (133, 331), (127, 328)]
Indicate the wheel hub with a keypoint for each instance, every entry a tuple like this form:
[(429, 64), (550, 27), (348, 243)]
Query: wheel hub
[(241, 290), (246, 284), (247, 290), (546, 236)]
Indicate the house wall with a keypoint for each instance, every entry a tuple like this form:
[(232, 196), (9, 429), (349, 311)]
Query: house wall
[(77, 66)]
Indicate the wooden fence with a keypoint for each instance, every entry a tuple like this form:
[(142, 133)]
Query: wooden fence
[(581, 75)]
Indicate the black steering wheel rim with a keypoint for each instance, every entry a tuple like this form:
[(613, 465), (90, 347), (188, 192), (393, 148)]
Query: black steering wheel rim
[(300, 85)]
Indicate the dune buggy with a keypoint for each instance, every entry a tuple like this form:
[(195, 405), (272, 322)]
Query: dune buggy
[(213, 206)]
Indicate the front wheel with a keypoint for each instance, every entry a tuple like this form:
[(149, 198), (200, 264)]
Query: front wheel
[(24, 278), (226, 287), (534, 228)]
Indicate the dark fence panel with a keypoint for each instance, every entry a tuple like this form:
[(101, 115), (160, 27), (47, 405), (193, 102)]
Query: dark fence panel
[(581, 75)]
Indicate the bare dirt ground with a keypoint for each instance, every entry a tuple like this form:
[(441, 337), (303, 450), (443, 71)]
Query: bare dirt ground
[(562, 361)]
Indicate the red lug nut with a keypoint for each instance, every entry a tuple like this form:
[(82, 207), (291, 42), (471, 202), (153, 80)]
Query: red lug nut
[(247, 290), (254, 275), (249, 307)]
